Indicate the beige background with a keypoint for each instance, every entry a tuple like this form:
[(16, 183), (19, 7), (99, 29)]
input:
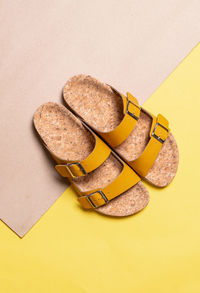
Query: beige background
[(132, 45)]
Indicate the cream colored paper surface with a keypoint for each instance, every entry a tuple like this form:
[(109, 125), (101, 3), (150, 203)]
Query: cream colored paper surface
[(132, 45)]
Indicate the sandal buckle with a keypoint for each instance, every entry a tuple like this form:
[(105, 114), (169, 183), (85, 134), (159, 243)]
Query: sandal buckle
[(76, 164), (102, 196), (129, 113), (156, 136)]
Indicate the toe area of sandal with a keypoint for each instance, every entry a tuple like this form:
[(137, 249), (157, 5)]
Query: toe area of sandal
[(130, 202), (165, 166)]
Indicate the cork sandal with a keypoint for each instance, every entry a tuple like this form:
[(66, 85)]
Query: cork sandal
[(102, 181), (141, 139)]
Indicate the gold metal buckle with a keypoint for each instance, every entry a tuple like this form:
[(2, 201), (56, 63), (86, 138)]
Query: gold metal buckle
[(102, 196), (156, 136), (77, 164)]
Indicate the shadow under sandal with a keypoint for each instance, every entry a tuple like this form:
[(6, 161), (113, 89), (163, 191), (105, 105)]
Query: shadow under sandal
[(102, 181), (138, 137)]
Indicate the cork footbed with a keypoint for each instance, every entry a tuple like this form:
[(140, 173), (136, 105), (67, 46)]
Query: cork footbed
[(68, 139), (102, 109)]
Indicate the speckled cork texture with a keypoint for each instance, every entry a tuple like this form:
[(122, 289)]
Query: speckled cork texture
[(101, 108), (67, 138)]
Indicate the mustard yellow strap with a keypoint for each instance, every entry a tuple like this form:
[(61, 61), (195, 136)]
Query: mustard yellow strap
[(73, 169), (96, 198), (158, 134), (123, 130)]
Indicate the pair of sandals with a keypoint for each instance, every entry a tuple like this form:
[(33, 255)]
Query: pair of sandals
[(104, 142)]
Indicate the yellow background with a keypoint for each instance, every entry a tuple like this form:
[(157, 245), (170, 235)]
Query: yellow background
[(157, 250)]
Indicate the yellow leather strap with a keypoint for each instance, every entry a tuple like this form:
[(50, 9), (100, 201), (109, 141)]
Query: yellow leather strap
[(158, 134), (123, 130), (73, 169), (99, 197)]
